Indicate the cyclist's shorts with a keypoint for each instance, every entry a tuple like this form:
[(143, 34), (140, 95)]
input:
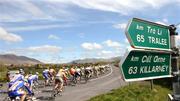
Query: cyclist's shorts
[(87, 72), (45, 75), (77, 74), (58, 80), (30, 82), (16, 93)]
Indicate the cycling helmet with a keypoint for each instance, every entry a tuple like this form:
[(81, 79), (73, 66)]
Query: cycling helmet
[(37, 73)]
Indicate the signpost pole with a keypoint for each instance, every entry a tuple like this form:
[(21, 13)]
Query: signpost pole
[(175, 65), (151, 84)]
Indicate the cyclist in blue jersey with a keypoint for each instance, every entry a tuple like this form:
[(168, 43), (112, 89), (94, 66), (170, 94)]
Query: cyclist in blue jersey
[(18, 89), (17, 77), (46, 76), (33, 79)]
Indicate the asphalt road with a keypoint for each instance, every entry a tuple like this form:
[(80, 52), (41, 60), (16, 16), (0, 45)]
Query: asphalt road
[(82, 92)]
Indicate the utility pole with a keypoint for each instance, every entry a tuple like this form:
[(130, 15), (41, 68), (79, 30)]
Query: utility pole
[(175, 65)]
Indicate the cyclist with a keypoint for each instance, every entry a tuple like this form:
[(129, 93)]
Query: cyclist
[(52, 73), (65, 78), (72, 72), (95, 71), (17, 77), (32, 79), (77, 73), (18, 89), (46, 76), (88, 72), (59, 80)]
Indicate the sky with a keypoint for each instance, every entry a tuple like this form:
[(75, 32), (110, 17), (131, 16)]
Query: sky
[(58, 31)]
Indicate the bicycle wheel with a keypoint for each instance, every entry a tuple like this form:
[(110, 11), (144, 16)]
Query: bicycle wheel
[(53, 94), (85, 78)]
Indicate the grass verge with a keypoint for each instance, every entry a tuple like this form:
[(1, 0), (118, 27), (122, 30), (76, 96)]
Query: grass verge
[(135, 92)]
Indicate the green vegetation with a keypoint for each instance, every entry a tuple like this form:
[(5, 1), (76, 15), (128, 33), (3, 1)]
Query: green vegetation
[(3, 71), (37, 68), (135, 92)]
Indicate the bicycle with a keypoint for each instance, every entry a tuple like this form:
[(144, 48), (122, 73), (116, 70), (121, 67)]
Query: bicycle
[(73, 80), (85, 77), (58, 87), (56, 92)]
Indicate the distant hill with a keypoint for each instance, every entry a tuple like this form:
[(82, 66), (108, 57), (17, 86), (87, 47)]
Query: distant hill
[(95, 60), (14, 59)]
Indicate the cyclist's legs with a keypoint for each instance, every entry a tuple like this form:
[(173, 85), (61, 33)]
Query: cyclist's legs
[(44, 76), (88, 74), (23, 97), (58, 84), (73, 77), (61, 85), (65, 81), (51, 76), (31, 84)]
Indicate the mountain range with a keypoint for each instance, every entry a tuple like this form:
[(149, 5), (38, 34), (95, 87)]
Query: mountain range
[(14, 59), (96, 60)]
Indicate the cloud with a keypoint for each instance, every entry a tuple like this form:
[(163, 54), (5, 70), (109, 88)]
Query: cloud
[(45, 49), (177, 40), (110, 54), (12, 10), (91, 46), (111, 43), (120, 6), (105, 54), (126, 41), (9, 37), (36, 27), (160, 22), (50, 9), (164, 21), (33, 10), (121, 26), (51, 36), (44, 53)]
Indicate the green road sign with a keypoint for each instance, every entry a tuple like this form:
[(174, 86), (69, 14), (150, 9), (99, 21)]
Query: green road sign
[(143, 65), (149, 35)]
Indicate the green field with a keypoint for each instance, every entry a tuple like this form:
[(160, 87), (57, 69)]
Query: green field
[(135, 92)]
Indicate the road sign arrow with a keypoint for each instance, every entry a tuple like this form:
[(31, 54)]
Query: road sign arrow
[(148, 35), (139, 65)]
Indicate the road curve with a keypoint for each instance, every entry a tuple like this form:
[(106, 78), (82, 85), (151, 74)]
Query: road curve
[(95, 87)]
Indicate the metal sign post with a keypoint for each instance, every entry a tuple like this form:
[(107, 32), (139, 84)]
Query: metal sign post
[(175, 65)]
